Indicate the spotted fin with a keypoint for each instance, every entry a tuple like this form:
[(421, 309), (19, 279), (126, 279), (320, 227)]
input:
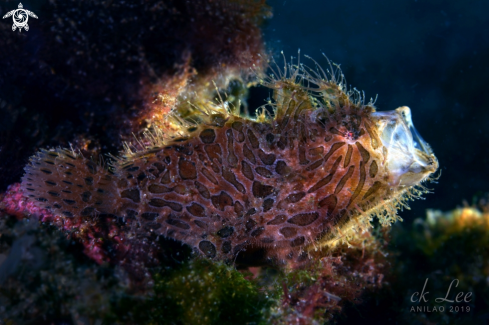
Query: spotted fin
[(68, 184)]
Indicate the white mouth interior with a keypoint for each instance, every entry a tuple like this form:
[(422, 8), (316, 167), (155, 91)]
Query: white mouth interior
[(404, 145)]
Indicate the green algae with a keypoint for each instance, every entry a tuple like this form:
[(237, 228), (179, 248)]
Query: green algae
[(199, 292), (55, 282), (67, 286)]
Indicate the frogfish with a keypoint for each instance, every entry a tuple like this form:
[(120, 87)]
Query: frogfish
[(315, 166)]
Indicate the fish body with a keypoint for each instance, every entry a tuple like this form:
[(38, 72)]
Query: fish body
[(278, 185)]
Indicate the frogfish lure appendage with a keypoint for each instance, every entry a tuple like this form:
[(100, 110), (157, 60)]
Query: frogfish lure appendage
[(316, 171)]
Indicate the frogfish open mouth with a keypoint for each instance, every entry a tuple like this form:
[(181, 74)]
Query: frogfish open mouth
[(315, 171)]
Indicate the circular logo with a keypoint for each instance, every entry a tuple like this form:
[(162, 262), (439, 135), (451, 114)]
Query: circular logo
[(20, 18)]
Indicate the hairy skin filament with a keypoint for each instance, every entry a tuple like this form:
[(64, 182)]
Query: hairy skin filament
[(311, 176)]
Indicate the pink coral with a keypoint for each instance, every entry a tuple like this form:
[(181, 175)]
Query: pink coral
[(13, 202)]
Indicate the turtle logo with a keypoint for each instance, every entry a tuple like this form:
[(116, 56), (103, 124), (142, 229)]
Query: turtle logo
[(20, 17)]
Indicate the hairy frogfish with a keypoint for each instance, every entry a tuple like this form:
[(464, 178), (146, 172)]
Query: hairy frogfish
[(318, 167)]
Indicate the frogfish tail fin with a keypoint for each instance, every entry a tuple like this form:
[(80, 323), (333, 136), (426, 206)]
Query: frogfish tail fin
[(68, 184)]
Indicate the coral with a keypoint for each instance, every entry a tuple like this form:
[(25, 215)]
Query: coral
[(343, 276), (453, 245), (446, 247), (462, 234), (45, 279), (13, 202), (447, 251), (62, 285)]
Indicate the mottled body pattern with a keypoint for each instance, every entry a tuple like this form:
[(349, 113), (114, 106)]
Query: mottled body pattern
[(232, 183)]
